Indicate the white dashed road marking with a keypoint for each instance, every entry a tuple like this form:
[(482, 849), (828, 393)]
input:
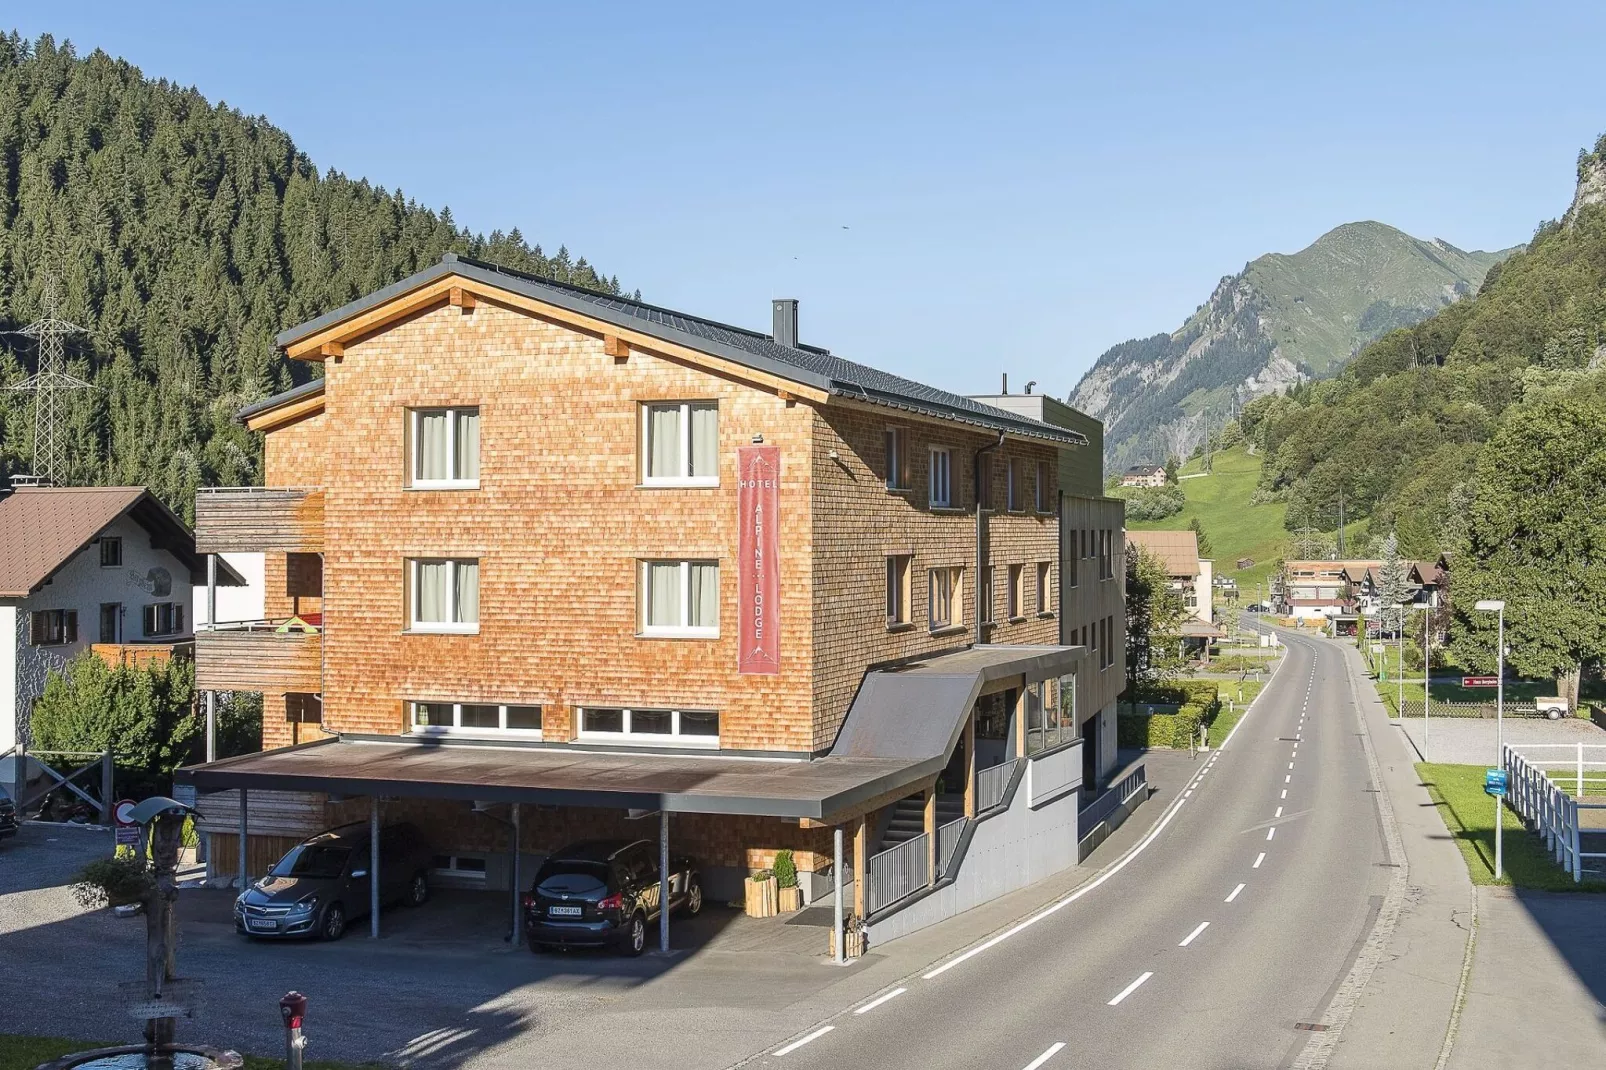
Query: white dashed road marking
[(1129, 989)]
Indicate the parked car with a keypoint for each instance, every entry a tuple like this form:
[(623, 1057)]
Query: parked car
[(604, 893), (8, 815), (323, 883)]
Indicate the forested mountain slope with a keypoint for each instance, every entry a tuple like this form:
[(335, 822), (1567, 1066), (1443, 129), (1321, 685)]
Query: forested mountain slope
[(1283, 320), (1397, 434), (185, 235)]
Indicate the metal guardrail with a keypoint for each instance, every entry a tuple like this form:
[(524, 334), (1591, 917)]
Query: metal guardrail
[(947, 840), (1113, 797), (990, 784), (897, 873), (1548, 811)]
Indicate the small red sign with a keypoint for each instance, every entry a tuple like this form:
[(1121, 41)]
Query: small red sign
[(1480, 681), (758, 554)]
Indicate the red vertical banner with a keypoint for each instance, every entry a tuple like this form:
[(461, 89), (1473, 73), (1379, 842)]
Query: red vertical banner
[(758, 559)]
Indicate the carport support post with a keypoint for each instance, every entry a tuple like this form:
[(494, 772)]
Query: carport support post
[(970, 764), (836, 900), (373, 868), (517, 885), (663, 880), (931, 834), (244, 880), (211, 726), (861, 867)]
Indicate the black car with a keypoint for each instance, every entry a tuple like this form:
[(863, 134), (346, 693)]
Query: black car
[(604, 893), (323, 883), (8, 815)]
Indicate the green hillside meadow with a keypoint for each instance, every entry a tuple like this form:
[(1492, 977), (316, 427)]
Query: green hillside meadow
[(1235, 528)]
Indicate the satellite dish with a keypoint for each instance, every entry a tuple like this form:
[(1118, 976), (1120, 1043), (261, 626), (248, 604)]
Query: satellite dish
[(160, 581)]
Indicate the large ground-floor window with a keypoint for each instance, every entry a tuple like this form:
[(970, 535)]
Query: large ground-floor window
[(469, 717), (680, 727)]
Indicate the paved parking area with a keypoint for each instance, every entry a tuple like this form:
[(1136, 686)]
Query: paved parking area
[(1471, 740)]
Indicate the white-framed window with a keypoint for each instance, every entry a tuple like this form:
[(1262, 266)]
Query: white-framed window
[(631, 724), (944, 600), (1017, 591), (900, 569), (111, 551), (680, 444), (445, 447), (1042, 487), (1012, 479), (444, 718), (679, 599), (164, 618), (942, 483), (1045, 601), (459, 867), (444, 594), (897, 460)]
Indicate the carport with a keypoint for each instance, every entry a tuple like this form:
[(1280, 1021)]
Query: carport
[(825, 790)]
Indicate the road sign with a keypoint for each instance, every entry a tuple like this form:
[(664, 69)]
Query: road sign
[(127, 830), (1377, 648), (184, 793), (1480, 681), (1494, 782)]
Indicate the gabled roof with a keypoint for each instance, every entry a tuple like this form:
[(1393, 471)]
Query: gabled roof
[(1145, 470), (805, 365), (311, 388), (1177, 550), (43, 528)]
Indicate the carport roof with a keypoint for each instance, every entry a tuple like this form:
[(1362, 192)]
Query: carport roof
[(559, 774)]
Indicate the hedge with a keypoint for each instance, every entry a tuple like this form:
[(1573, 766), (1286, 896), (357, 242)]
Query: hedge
[(1174, 730)]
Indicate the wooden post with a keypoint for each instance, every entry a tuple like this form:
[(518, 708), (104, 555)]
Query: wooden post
[(931, 834), (1020, 720), (861, 868), (970, 765)]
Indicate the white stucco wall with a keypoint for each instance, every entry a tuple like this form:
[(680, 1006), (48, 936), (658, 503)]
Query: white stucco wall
[(8, 677), (82, 585), (1205, 589), (235, 603)]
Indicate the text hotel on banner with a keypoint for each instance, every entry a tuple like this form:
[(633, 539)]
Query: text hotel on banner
[(758, 555)]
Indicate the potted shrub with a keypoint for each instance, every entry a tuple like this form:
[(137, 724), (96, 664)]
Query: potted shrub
[(791, 896), (761, 898)]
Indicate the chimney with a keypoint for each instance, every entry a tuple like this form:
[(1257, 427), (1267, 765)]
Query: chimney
[(785, 310), (1004, 389)]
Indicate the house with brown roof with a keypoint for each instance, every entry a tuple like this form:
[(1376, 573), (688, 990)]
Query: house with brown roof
[(105, 567), (1321, 589), (1178, 551), (1144, 475)]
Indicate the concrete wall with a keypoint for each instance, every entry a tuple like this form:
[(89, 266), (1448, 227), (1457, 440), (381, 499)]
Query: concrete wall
[(1086, 599), (1008, 851), (1205, 591)]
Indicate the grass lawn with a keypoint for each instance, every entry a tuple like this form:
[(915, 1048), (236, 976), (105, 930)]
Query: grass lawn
[(25, 1053), (1242, 695), (1457, 793)]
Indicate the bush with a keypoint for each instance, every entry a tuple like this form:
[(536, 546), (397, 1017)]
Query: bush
[(1151, 503), (1173, 730), (113, 881), (785, 869)]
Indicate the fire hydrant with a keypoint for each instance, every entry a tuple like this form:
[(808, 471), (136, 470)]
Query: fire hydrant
[(293, 1008)]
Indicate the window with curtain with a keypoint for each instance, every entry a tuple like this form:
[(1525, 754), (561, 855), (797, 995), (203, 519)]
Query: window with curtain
[(943, 598), (446, 447), (679, 598), (680, 443), (445, 595)]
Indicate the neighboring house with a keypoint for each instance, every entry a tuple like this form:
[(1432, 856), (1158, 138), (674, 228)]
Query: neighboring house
[(1178, 551), (103, 567), (237, 603), (1144, 475), (1321, 589), (665, 565)]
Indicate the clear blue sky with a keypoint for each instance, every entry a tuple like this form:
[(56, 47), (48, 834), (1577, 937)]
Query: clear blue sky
[(950, 191)]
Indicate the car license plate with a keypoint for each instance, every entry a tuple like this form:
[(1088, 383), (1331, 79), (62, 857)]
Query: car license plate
[(261, 926), (564, 912)]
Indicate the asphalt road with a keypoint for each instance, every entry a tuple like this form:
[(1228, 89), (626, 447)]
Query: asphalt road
[(1238, 920)]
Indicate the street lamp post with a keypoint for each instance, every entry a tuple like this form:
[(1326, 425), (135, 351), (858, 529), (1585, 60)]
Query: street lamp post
[(1399, 635), (1427, 680), (1498, 607)]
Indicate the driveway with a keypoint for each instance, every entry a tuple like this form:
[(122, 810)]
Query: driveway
[(1471, 740)]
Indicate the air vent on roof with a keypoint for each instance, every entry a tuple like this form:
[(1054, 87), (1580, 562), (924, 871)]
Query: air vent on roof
[(785, 310)]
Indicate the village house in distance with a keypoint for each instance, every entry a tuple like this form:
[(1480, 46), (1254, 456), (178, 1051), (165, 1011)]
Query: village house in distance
[(666, 566), (1144, 475)]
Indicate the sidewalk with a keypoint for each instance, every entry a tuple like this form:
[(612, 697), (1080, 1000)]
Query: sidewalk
[(1538, 979), (1404, 1012)]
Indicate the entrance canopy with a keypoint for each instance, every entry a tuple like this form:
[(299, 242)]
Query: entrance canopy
[(900, 730)]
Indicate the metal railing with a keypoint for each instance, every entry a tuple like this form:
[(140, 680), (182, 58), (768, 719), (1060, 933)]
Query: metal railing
[(1548, 811), (897, 873), (990, 785), (947, 840), (1569, 764), (1113, 797)]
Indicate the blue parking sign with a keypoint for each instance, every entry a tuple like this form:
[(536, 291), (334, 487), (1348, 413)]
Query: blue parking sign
[(1494, 781)]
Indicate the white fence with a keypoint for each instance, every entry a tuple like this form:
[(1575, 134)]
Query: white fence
[(1579, 767), (1547, 809)]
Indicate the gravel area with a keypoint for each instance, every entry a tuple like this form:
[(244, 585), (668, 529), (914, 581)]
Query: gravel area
[(1471, 741)]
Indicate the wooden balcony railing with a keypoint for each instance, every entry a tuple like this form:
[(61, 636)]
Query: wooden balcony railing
[(254, 519), (258, 657)]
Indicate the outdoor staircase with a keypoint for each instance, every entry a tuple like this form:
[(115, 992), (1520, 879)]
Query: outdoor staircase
[(909, 818)]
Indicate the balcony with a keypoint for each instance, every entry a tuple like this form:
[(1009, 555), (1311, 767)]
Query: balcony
[(273, 657), (256, 519), (143, 655)]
